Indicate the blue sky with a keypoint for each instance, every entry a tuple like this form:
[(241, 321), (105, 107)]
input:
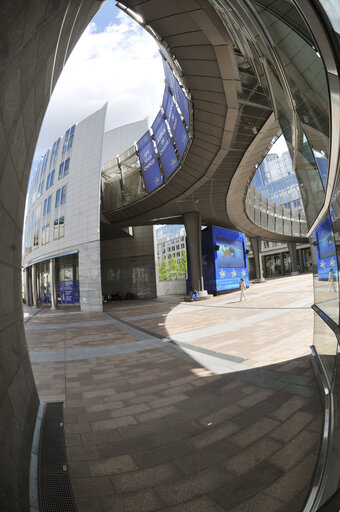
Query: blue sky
[(115, 60)]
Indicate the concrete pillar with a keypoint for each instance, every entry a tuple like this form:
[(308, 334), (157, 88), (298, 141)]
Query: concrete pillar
[(302, 266), (256, 248), (26, 287), (34, 286), (192, 222), (54, 303), (293, 257), (282, 260)]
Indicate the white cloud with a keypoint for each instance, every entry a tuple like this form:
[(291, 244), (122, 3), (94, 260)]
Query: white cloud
[(120, 65)]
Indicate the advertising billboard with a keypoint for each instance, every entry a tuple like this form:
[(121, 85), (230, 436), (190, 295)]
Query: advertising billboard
[(177, 91), (149, 163), (164, 145), (175, 122)]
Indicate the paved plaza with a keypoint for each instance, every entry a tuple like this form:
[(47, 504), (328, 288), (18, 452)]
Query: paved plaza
[(186, 407)]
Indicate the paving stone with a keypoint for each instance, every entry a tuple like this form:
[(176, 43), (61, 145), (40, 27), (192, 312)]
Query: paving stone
[(112, 465), (145, 478), (292, 426), (252, 433), (288, 408), (294, 482), (213, 434), (189, 487), (236, 491), (290, 454), (260, 503), (82, 453), (142, 501), (201, 504), (251, 457), (114, 423), (156, 413), (91, 487)]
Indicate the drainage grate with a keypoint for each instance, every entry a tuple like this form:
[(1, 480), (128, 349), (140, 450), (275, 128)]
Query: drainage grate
[(55, 492)]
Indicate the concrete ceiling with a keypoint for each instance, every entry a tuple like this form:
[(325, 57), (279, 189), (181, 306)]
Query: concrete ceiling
[(230, 108)]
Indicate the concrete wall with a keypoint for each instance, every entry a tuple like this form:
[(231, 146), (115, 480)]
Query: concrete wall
[(175, 287), (30, 66), (128, 264)]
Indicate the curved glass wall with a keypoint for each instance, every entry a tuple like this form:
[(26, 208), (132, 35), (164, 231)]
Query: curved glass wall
[(305, 123)]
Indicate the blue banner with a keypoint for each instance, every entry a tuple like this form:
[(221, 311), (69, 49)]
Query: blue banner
[(177, 91), (326, 250), (148, 159), (180, 135), (164, 145)]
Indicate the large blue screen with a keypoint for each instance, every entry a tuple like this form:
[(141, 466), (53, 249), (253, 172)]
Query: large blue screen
[(230, 253)]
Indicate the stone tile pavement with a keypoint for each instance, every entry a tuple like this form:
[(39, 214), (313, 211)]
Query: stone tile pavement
[(195, 408)]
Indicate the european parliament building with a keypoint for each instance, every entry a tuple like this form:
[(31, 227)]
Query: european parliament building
[(64, 226), (238, 74)]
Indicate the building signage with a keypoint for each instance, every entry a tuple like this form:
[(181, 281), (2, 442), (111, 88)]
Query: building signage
[(176, 125), (177, 91), (149, 163), (164, 145)]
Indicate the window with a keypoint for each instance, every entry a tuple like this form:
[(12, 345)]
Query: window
[(36, 240), (66, 166), (47, 233), (58, 228), (61, 171), (70, 142), (66, 141), (63, 195), (47, 205), (50, 180), (57, 198), (182, 246)]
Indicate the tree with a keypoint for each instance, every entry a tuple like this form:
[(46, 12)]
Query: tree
[(163, 270), (183, 268), (173, 268)]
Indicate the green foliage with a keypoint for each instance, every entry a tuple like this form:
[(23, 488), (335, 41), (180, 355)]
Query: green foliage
[(173, 267), (163, 270), (183, 269)]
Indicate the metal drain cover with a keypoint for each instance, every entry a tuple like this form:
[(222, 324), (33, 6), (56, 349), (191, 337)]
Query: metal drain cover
[(55, 492)]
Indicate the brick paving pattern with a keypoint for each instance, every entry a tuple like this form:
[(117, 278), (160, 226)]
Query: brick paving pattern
[(158, 429)]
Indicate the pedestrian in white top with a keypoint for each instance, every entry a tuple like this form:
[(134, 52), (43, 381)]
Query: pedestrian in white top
[(331, 280), (243, 290)]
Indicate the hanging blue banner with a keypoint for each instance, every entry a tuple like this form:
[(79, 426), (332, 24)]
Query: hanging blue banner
[(148, 159), (164, 145), (177, 91), (175, 122)]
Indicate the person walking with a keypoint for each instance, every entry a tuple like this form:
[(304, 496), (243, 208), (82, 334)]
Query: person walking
[(243, 289), (331, 280)]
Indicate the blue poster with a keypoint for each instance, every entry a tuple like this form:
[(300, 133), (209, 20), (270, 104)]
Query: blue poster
[(177, 91), (164, 145), (175, 122), (148, 159), (230, 253), (326, 250)]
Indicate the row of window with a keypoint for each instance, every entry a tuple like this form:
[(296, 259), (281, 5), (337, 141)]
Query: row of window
[(58, 232), (60, 198)]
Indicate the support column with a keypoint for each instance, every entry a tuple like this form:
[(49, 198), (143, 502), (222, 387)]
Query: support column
[(34, 285), (26, 288), (192, 222), (54, 303), (256, 247), (293, 257), (302, 266), (282, 260)]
